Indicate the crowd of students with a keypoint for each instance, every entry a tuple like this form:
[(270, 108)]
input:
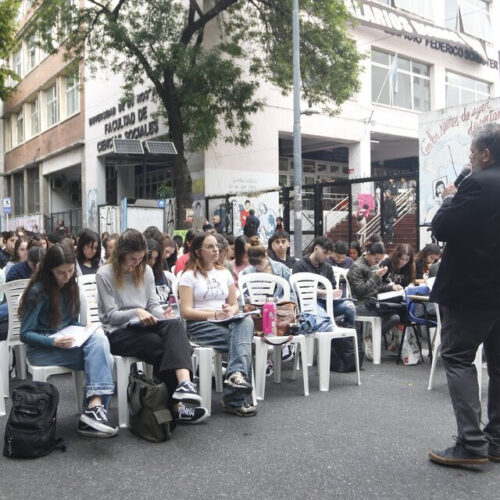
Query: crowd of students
[(134, 297)]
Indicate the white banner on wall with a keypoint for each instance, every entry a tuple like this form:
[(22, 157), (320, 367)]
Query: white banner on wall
[(445, 137)]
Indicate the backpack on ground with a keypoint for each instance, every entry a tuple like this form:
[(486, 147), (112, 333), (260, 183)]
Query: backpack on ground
[(31, 427), (342, 357)]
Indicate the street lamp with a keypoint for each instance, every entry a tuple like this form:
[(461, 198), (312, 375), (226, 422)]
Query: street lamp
[(297, 145)]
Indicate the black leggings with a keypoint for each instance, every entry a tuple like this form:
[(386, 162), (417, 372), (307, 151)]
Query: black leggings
[(165, 346)]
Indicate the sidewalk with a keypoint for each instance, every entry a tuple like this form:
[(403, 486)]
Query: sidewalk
[(352, 442)]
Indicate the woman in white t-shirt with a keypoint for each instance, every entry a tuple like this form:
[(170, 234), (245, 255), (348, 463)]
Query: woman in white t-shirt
[(208, 302)]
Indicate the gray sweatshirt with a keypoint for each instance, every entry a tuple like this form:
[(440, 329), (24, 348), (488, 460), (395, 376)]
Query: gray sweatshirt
[(117, 306)]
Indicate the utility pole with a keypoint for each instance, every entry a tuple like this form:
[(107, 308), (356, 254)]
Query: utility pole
[(297, 140)]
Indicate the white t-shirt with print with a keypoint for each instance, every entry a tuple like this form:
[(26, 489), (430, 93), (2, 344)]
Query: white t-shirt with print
[(211, 292)]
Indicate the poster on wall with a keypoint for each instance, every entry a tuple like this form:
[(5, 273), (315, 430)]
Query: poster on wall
[(444, 144), (266, 210)]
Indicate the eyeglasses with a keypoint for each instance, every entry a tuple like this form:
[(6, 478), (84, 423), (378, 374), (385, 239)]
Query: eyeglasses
[(213, 247)]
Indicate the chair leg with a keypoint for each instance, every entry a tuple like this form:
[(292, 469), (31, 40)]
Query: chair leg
[(478, 361), (2, 399), (218, 372), (437, 345), (400, 350), (79, 381), (122, 365), (302, 345), (277, 364), (21, 371), (205, 360), (260, 368), (324, 360), (4, 368), (376, 325), (356, 356), (310, 349)]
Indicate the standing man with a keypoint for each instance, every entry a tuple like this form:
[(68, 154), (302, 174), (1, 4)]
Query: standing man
[(251, 225), (390, 215), (467, 289)]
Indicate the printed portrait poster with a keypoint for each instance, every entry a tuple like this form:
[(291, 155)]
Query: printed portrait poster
[(444, 143)]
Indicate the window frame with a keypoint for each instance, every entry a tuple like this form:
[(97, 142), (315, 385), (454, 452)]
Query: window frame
[(52, 102), (478, 94)]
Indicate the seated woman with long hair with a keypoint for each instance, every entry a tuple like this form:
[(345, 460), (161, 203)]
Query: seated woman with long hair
[(50, 303), (400, 266), (207, 292), (126, 287), (88, 252)]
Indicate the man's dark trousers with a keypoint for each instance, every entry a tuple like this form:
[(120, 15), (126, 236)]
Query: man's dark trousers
[(463, 331)]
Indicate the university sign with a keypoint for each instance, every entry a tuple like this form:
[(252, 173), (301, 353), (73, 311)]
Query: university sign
[(419, 31), (127, 120)]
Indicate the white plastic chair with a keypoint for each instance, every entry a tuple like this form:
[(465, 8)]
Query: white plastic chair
[(2, 399), (43, 373), (123, 364), (13, 291), (375, 322), (305, 286), (478, 361), (259, 286)]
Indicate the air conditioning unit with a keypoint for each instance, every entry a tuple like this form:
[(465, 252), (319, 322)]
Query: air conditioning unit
[(75, 197)]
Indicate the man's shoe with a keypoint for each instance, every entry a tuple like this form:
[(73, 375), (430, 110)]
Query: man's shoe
[(190, 415), (245, 410), (87, 431), (186, 391), (457, 455), (238, 382), (269, 369), (97, 418)]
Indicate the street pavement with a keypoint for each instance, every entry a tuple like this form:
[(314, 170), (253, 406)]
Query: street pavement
[(353, 442)]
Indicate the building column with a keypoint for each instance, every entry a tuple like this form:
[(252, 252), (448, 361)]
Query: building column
[(360, 166)]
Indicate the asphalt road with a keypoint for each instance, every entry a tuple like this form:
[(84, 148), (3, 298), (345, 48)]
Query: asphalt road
[(352, 442)]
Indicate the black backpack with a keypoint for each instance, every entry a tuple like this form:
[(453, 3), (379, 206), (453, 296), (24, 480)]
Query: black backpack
[(342, 358), (250, 228), (31, 428)]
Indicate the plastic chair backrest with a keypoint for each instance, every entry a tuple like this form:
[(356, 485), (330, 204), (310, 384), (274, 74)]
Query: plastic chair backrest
[(340, 272), (260, 286), (88, 287), (410, 305), (305, 286), (13, 292)]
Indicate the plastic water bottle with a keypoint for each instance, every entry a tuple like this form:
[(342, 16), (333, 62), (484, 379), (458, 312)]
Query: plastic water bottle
[(269, 326)]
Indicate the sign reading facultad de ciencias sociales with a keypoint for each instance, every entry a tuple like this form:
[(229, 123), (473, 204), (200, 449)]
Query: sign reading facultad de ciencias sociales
[(126, 121)]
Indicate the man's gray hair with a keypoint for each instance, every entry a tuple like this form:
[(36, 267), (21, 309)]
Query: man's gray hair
[(488, 137)]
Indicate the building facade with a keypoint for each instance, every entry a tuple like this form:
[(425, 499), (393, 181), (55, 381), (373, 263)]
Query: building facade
[(58, 128)]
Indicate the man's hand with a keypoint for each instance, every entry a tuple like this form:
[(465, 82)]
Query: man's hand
[(450, 189), (381, 271)]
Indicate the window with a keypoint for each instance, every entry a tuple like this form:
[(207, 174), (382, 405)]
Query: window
[(33, 190), (401, 82), (72, 95), (7, 134), (18, 193), (469, 16), (31, 54), (20, 127), (18, 62), (51, 105), (422, 8), (463, 89), (35, 118)]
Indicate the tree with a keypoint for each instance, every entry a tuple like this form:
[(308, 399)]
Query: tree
[(205, 59), (8, 23)]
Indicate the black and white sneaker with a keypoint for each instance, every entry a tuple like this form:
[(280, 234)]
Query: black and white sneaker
[(287, 352), (186, 391), (191, 415), (87, 431), (97, 419), (238, 382), (245, 410)]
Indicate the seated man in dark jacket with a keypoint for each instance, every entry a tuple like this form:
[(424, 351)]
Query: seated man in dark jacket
[(317, 263)]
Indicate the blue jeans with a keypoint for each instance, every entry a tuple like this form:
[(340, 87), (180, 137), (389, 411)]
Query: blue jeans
[(233, 337), (346, 309), (93, 357)]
